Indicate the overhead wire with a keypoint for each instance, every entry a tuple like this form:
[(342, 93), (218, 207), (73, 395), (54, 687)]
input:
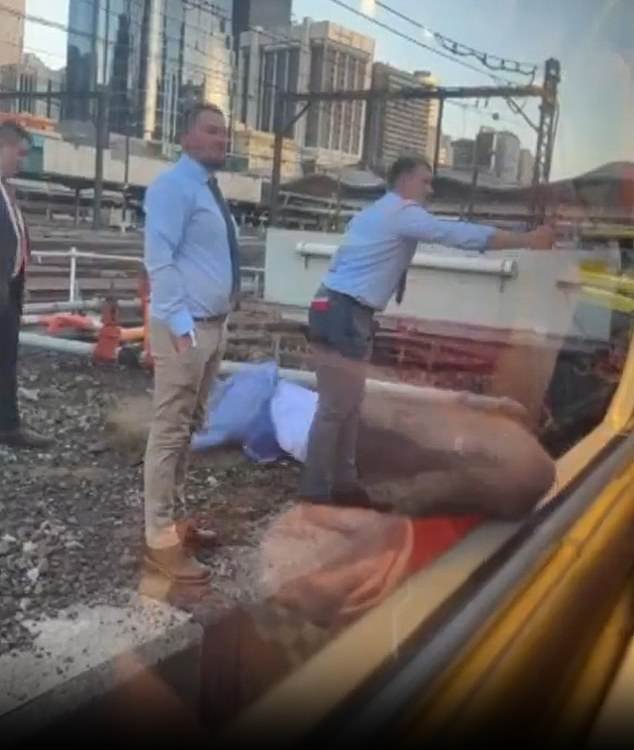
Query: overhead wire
[(489, 60), (418, 43)]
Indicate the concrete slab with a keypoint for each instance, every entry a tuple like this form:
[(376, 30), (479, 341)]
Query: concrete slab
[(85, 654)]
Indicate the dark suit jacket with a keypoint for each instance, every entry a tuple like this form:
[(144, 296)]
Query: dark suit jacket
[(8, 250)]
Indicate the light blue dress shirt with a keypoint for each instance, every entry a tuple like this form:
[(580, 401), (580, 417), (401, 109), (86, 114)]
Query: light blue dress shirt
[(187, 252), (380, 244)]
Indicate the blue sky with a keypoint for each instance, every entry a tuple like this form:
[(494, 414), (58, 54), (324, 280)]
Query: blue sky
[(594, 39)]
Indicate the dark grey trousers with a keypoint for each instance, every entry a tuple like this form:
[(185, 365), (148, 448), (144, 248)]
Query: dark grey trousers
[(10, 315), (341, 337), (331, 458)]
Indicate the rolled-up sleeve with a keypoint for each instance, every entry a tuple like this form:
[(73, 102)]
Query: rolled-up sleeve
[(414, 223), (164, 226)]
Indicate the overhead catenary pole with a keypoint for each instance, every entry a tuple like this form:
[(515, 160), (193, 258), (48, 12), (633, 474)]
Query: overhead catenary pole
[(441, 108), (278, 150), (281, 131), (128, 126), (369, 128), (371, 95), (545, 137), (101, 130), (126, 174)]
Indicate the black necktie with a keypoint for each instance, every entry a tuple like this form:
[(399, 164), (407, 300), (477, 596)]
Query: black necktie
[(234, 247), (400, 289)]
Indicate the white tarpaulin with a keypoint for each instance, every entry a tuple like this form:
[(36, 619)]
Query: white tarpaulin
[(292, 411)]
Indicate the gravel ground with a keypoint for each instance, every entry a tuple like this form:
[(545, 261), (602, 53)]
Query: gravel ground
[(71, 519)]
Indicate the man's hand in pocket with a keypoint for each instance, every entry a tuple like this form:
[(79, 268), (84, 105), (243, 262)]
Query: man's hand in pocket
[(184, 343)]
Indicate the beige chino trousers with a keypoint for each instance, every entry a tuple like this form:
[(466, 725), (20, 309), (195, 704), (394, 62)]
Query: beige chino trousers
[(182, 382)]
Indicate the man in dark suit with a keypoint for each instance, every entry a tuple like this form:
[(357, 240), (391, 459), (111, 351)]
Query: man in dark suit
[(14, 255)]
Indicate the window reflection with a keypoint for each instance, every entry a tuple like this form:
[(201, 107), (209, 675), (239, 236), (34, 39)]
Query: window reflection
[(475, 392)]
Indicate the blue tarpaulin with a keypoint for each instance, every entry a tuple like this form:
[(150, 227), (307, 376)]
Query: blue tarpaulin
[(255, 409)]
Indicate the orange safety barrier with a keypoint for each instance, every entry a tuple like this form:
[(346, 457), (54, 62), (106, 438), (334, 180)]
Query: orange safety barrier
[(60, 321), (133, 334), (109, 340)]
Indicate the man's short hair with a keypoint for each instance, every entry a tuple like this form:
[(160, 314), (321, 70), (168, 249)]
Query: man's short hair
[(404, 165), (193, 113), (12, 133)]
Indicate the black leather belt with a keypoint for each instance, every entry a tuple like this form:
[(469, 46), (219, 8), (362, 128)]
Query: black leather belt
[(211, 319), (349, 298)]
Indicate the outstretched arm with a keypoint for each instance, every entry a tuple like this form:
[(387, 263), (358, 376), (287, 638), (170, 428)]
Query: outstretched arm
[(413, 222), (541, 238)]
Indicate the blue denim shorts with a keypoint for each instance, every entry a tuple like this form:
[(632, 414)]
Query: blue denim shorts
[(341, 323)]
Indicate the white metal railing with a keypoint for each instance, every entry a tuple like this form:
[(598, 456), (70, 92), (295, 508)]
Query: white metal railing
[(73, 255), (256, 275), (502, 267)]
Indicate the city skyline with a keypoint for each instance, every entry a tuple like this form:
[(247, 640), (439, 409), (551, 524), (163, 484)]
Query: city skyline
[(596, 120), (592, 39)]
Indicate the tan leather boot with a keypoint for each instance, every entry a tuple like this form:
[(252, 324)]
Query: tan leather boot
[(193, 535), (177, 564)]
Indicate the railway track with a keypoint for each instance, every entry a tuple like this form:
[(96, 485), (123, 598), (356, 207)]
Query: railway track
[(256, 332), (112, 273)]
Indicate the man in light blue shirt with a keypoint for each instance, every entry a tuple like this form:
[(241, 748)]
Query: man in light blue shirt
[(192, 259), (366, 271)]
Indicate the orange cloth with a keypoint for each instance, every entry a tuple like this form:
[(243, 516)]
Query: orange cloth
[(334, 564), (436, 534)]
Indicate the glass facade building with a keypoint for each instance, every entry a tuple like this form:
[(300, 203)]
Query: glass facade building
[(208, 63), (104, 50), (154, 56), (81, 65)]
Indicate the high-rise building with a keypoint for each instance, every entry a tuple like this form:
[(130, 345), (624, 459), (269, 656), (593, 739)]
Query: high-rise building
[(430, 111), (207, 54), (479, 152), (445, 155), (31, 76), (463, 153), (81, 63), (265, 14), (527, 165), (154, 56), (161, 65), (507, 156), (271, 61), (12, 31), (340, 59), (398, 126), (485, 149), (315, 56), (104, 48)]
